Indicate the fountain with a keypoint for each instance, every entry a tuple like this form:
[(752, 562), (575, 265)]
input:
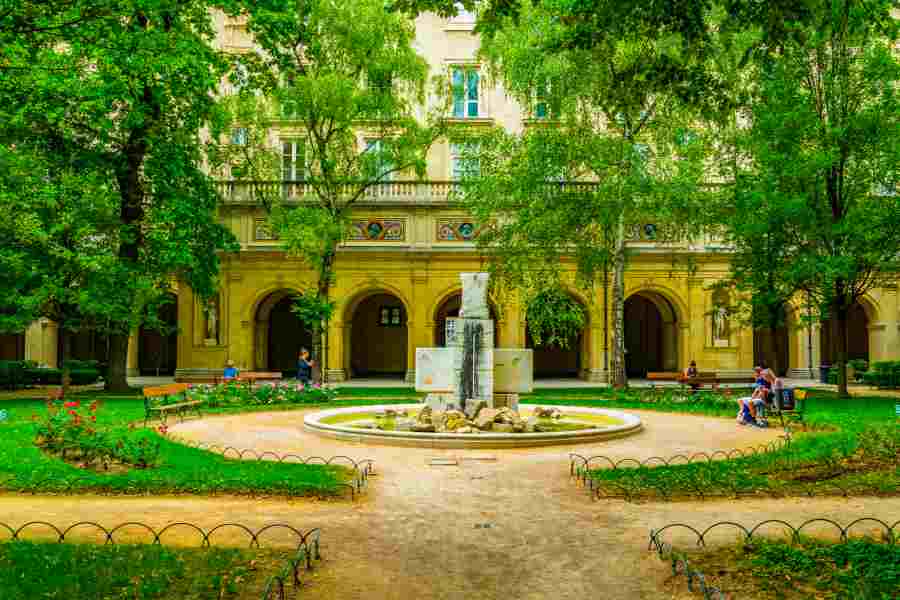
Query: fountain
[(470, 372), (472, 396)]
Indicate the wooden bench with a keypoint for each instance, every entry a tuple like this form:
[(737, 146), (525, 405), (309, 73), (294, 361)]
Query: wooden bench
[(252, 377), (165, 391), (55, 394)]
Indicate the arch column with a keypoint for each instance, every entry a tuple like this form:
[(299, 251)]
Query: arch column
[(42, 343), (132, 367), (335, 369)]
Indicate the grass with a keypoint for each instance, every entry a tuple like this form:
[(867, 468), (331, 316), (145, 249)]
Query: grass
[(775, 570), (24, 467), (854, 445), (62, 571)]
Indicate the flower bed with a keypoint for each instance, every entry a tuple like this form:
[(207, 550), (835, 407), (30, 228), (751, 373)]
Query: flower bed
[(237, 394), (69, 430)]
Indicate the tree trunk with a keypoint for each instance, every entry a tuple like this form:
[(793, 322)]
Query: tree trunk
[(117, 372), (618, 300), (323, 291), (772, 349), (65, 339), (839, 339)]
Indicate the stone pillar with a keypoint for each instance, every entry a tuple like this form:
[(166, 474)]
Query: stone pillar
[(42, 343), (132, 368), (335, 370)]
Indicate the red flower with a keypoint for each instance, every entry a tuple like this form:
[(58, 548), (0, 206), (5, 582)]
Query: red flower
[(73, 413), (70, 404), (93, 417), (163, 429)]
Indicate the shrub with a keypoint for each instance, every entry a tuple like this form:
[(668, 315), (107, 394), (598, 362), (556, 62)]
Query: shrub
[(54, 376), (235, 393), (70, 430), (12, 373)]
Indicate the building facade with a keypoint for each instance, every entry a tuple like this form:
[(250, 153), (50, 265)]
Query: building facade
[(397, 280)]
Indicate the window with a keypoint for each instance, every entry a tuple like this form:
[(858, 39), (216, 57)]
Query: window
[(293, 160), (462, 163), (239, 136), (390, 316), (464, 82), (545, 107), (381, 165)]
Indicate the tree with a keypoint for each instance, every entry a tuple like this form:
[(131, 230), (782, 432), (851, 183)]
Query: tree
[(614, 145), (120, 96), (346, 78), (824, 141)]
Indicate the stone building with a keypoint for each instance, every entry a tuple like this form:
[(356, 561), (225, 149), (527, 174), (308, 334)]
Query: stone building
[(398, 280)]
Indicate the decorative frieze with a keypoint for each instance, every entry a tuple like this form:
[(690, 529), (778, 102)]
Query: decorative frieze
[(378, 230), (456, 229)]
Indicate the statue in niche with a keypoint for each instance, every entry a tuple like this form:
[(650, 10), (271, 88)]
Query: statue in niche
[(212, 321), (720, 323)]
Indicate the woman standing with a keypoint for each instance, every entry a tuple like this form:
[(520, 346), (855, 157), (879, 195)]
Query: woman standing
[(304, 367)]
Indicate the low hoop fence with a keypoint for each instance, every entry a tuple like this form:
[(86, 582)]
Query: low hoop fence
[(698, 582), (287, 579), (362, 468), (580, 466)]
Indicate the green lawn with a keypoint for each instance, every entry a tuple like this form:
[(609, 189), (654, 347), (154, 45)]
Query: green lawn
[(23, 466), (853, 445), (777, 570), (68, 571)]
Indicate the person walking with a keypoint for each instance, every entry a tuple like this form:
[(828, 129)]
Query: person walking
[(304, 367)]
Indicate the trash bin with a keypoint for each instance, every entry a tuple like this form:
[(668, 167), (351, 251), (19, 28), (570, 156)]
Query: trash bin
[(823, 373)]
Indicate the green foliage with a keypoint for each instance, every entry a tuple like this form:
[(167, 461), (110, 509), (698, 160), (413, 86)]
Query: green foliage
[(608, 147), (554, 318), (858, 568), (179, 469), (101, 107), (358, 66), (69, 430), (58, 571), (818, 164), (236, 394)]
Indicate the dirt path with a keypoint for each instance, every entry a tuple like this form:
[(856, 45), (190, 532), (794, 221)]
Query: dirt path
[(515, 527)]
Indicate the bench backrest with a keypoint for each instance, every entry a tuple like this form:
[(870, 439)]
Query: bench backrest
[(259, 375), (171, 389), (665, 376)]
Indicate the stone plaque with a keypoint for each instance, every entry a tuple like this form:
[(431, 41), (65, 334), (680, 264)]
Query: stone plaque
[(434, 369), (513, 371)]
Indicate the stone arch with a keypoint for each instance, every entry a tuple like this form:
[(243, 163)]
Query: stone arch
[(158, 350), (570, 362), (375, 346), (779, 350), (278, 334), (653, 322), (861, 321), (12, 346), (448, 305)]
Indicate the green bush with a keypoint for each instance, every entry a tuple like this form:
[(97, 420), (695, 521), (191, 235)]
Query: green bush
[(884, 374), (234, 393), (12, 373), (54, 376)]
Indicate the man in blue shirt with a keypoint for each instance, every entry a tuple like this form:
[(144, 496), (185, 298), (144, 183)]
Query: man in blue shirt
[(230, 371)]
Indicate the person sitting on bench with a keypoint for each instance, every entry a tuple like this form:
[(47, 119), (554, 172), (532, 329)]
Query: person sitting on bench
[(230, 371), (690, 373)]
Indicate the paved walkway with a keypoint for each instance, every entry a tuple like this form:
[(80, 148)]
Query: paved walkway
[(513, 527)]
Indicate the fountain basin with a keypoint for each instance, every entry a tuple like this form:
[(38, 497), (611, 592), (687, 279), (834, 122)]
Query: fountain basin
[(599, 424)]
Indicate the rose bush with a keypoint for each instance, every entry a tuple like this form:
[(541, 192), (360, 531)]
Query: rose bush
[(70, 430)]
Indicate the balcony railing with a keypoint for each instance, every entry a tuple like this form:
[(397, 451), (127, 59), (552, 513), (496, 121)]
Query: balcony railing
[(402, 192)]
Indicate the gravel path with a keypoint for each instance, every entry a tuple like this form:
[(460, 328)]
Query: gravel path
[(512, 527)]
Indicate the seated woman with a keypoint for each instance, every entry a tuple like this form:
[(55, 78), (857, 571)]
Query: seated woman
[(690, 373), (230, 371)]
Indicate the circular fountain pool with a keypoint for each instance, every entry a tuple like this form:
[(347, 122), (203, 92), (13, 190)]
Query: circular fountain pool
[(576, 425)]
